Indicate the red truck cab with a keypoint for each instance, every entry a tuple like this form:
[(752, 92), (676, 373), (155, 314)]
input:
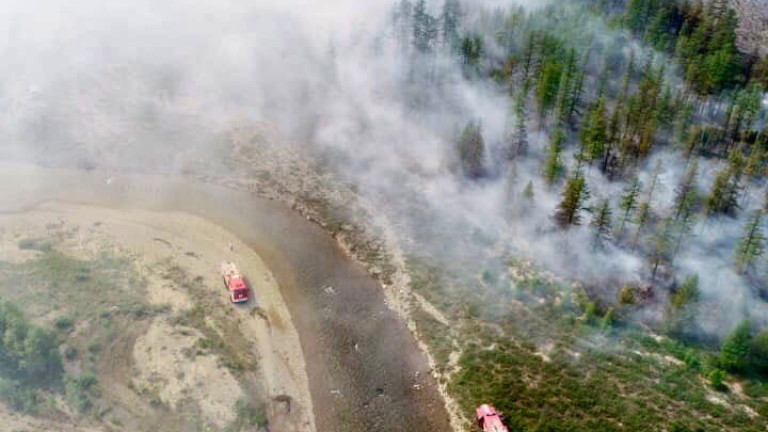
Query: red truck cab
[(489, 419), (235, 283)]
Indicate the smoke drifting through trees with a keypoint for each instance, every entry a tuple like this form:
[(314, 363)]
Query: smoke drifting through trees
[(404, 100)]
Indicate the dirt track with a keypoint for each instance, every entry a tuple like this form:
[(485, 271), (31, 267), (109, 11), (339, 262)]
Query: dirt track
[(365, 371)]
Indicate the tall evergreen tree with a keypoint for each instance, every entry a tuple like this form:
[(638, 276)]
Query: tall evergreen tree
[(425, 28), (403, 23), (553, 164), (684, 226), (594, 134), (752, 245), (645, 211), (566, 89), (520, 145), (686, 194), (528, 60), (630, 201), (723, 199), (471, 50), (575, 194), (602, 223), (755, 166), (528, 193), (451, 20), (661, 247), (548, 87), (471, 150)]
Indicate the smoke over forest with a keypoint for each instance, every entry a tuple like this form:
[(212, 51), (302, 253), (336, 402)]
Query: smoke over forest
[(354, 86), (615, 150)]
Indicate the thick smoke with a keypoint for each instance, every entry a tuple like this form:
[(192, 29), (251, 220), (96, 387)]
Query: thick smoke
[(144, 85)]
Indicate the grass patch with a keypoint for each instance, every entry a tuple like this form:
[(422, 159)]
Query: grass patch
[(234, 353), (103, 294), (249, 415), (601, 374)]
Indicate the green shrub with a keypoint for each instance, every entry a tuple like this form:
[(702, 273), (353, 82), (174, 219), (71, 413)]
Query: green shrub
[(717, 379), (28, 352), (627, 295), (19, 397), (35, 244), (735, 351), (64, 323), (759, 351), (250, 415), (687, 293), (79, 392), (590, 312), (609, 318), (70, 353)]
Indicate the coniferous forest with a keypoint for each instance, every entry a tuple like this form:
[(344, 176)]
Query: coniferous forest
[(630, 162)]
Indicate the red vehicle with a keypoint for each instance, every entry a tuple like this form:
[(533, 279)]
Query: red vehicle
[(235, 283), (489, 419)]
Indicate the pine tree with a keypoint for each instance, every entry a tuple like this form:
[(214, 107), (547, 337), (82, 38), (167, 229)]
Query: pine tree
[(682, 311), (684, 226), (548, 87), (752, 245), (687, 293), (735, 349), (608, 166), (748, 104), (685, 194), (755, 166), (577, 89), (657, 34), (521, 127), (565, 91), (528, 60), (684, 121), (637, 15), (471, 150), (471, 49), (723, 199), (630, 200), (553, 164), (628, 77), (403, 20), (602, 223), (451, 20), (645, 211), (594, 134), (528, 191), (568, 212), (424, 28), (660, 247)]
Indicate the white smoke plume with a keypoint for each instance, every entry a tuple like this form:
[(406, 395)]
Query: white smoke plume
[(136, 85)]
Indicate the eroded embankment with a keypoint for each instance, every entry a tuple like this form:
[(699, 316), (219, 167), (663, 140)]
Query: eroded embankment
[(365, 371)]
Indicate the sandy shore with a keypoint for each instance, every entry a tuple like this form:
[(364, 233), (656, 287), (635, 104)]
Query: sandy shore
[(198, 246)]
